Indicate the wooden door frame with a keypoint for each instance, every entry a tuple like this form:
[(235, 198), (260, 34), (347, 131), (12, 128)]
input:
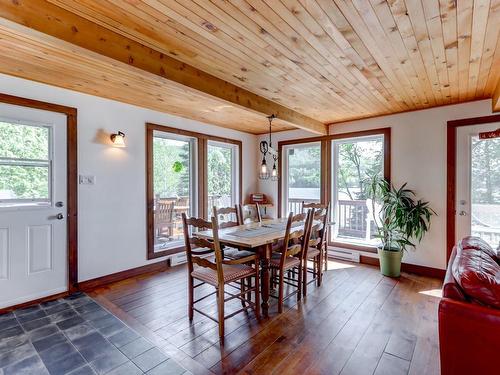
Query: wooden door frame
[(451, 172), (71, 178)]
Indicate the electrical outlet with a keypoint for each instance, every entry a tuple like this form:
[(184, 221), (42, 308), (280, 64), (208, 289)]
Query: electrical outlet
[(86, 179)]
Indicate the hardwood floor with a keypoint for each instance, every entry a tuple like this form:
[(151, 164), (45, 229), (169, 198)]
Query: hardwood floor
[(358, 322)]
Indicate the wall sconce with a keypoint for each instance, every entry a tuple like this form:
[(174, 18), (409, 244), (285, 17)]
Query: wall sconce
[(118, 139)]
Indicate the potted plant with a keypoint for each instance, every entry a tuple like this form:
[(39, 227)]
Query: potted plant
[(400, 220)]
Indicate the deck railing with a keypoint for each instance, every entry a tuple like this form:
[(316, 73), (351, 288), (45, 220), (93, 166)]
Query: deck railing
[(490, 235), (295, 204), (352, 217), (353, 220)]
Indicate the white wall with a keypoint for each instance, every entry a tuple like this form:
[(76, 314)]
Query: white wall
[(418, 156), (112, 213)]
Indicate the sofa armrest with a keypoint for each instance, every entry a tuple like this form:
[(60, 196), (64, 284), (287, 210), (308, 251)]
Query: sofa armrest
[(468, 337)]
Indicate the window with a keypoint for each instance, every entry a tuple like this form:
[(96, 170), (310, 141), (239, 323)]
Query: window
[(174, 187), (25, 164), (302, 166), (485, 189), (354, 162), (189, 173), (222, 175), (335, 169)]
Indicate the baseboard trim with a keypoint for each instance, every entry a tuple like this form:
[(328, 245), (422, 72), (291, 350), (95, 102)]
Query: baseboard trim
[(33, 302), (410, 268), (89, 285)]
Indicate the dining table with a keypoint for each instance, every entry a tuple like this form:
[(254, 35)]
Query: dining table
[(256, 237)]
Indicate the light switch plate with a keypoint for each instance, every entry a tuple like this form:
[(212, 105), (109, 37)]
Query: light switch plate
[(86, 179)]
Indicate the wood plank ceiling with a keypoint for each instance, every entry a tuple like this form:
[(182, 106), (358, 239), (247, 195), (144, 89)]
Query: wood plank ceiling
[(330, 60), (38, 57)]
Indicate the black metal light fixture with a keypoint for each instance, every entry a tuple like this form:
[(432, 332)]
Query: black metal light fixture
[(267, 148)]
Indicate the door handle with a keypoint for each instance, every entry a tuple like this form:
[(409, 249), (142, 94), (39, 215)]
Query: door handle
[(59, 216), (462, 213)]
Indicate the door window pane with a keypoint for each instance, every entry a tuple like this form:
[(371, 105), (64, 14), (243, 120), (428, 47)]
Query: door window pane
[(354, 163), (173, 185), (24, 183), (18, 141), (25, 165), (485, 190), (222, 175), (303, 176)]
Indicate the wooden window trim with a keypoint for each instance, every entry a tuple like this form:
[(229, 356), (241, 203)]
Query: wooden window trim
[(326, 166), (451, 172), (202, 178), (72, 176)]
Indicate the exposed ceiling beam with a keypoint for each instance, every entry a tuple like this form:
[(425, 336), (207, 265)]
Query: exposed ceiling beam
[(57, 22), (495, 100)]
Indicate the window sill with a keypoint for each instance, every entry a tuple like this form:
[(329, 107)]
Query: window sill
[(353, 246), (166, 252), (24, 206)]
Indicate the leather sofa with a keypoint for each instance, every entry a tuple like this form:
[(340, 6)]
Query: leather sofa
[(469, 312)]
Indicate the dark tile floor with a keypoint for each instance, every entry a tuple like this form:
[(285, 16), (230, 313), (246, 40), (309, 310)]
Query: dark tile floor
[(77, 336)]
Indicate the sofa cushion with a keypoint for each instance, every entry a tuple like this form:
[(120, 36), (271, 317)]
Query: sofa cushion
[(477, 243), (478, 274), (451, 289)]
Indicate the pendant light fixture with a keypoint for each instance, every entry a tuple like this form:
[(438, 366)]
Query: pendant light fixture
[(267, 148)]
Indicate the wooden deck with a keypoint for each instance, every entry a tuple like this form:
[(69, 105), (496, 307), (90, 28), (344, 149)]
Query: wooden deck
[(358, 322)]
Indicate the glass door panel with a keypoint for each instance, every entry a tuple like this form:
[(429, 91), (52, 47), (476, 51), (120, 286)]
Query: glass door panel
[(485, 183), (222, 174), (174, 187), (355, 161), (302, 177)]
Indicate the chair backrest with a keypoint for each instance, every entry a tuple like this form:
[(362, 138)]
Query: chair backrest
[(164, 212), (227, 216), (293, 242), (249, 213), (315, 205), (196, 246), (320, 229)]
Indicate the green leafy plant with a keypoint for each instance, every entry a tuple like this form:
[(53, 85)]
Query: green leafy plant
[(177, 167), (402, 218)]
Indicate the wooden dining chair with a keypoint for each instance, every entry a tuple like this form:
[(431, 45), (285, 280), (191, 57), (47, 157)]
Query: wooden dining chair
[(164, 218), (249, 213), (324, 244), (227, 216), (308, 205), (224, 217), (288, 262), (222, 214), (218, 273), (313, 250)]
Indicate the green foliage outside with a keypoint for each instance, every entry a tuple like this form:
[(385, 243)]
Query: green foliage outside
[(170, 167), (304, 167), (24, 142), (219, 171), (485, 171), (358, 162)]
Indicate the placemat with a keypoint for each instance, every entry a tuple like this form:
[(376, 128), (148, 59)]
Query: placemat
[(254, 232)]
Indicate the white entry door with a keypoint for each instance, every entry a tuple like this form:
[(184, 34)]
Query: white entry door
[(478, 184), (33, 218)]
